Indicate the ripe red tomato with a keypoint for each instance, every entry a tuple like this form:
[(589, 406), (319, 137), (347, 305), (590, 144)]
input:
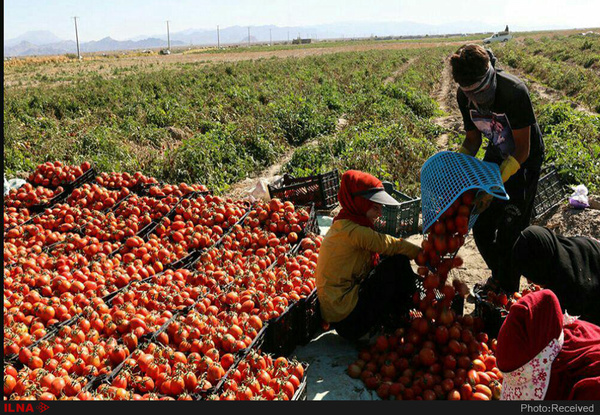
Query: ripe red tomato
[(427, 356), (441, 335)]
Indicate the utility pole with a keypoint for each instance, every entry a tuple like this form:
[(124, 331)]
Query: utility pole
[(77, 37), (168, 37), (288, 36), (218, 38), (270, 38), (248, 36)]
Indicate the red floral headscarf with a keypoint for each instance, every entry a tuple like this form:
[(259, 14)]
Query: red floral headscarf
[(355, 208), (548, 355)]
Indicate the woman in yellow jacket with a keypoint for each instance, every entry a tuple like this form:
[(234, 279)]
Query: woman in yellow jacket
[(354, 291)]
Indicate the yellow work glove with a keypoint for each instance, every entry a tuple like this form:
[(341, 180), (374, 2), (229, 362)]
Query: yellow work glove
[(509, 167), (464, 150), (409, 249)]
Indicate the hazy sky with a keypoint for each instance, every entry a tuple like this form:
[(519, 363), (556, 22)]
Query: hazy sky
[(122, 19)]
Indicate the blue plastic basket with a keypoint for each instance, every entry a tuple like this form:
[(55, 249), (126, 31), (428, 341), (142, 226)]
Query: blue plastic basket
[(447, 175)]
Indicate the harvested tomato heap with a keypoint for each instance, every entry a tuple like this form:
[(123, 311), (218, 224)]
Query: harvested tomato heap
[(28, 196), (56, 174), (87, 293), (14, 216), (449, 358), (437, 354), (259, 376), (119, 180), (504, 302)]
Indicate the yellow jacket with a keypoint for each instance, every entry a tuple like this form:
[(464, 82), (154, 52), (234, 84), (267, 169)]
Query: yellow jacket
[(345, 260)]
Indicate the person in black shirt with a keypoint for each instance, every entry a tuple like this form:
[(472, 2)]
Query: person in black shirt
[(569, 266), (496, 105)]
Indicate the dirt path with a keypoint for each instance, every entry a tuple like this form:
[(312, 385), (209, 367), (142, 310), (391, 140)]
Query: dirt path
[(446, 98), (399, 71), (241, 189), (546, 93), (474, 269)]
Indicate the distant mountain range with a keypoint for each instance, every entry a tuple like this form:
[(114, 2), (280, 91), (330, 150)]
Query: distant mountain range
[(28, 48), (46, 43)]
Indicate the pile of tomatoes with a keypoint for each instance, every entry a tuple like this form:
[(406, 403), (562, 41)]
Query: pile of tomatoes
[(14, 216), (27, 196), (449, 358), (182, 189), (96, 197), (504, 302), (56, 174), (437, 354), (445, 237), (260, 377), (85, 295), (120, 180)]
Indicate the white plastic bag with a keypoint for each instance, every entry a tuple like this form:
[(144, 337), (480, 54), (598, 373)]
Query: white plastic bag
[(260, 191), (579, 198), (12, 184)]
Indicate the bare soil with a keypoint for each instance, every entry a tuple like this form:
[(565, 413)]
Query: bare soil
[(398, 72), (546, 93), (446, 98), (565, 221), (241, 189)]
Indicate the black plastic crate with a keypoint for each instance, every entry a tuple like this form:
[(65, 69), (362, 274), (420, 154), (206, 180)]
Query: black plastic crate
[(302, 391), (59, 198), (312, 225), (186, 262), (259, 341), (322, 190), (550, 192), (401, 220), (282, 333), (86, 177), (62, 196), (310, 318)]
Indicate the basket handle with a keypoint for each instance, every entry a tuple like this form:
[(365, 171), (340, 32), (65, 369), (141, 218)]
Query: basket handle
[(388, 187), (497, 191)]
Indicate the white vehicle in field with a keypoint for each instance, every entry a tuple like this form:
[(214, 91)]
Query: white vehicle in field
[(503, 36)]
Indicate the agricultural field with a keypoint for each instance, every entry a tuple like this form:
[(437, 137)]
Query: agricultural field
[(563, 74), (131, 271), (570, 64), (220, 123), (188, 121)]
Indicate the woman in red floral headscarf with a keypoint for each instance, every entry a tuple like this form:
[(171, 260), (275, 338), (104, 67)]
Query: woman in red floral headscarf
[(348, 299), (545, 355)]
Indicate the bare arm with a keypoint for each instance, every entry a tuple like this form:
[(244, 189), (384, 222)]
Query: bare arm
[(522, 144), (472, 141)]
